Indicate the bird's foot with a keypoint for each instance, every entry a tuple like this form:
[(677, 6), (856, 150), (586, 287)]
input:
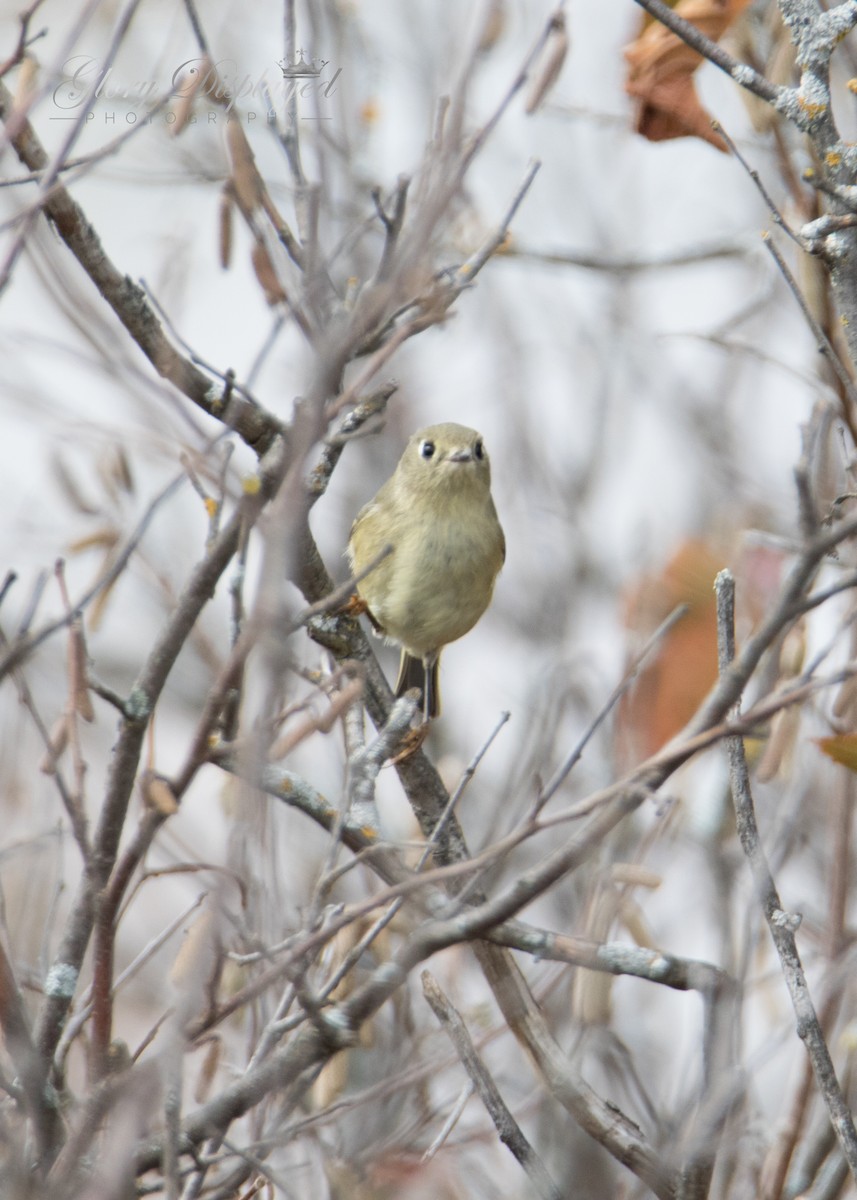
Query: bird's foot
[(354, 606), (411, 743)]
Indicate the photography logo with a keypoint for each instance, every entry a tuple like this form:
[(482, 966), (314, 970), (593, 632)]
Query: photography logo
[(300, 90), (300, 68)]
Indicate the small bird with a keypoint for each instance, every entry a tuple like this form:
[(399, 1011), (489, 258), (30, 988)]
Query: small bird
[(436, 513)]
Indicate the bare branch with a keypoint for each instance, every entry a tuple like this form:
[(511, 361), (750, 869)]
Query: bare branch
[(508, 1129), (782, 924)]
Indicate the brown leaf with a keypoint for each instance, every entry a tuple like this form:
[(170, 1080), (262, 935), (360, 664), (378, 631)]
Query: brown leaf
[(661, 68), (77, 664), (673, 682), (157, 794), (226, 226), (842, 749), (246, 179), (208, 1070), (26, 83), (266, 274), (493, 24), (204, 73), (104, 538), (777, 755)]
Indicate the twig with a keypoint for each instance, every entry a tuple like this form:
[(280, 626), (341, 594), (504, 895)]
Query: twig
[(227, 377), (613, 699), (508, 1129), (8, 582), (621, 266), (24, 39), (40, 1103), (438, 833), (51, 169), (822, 342), (754, 175), (452, 1119), (474, 264), (714, 52), (23, 644), (128, 301), (781, 924), (63, 977), (76, 816), (196, 26), (392, 222)]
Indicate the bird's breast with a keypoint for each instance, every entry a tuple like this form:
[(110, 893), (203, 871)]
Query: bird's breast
[(440, 580)]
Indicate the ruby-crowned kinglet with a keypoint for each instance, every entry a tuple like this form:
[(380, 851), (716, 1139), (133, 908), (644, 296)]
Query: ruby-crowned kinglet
[(437, 514)]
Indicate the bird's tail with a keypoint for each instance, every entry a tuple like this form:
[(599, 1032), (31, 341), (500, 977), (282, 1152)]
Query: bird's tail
[(415, 673)]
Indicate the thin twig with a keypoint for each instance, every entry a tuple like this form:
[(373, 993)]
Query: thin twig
[(822, 342), (714, 52), (782, 924), (510, 1132), (613, 699), (754, 175), (24, 644)]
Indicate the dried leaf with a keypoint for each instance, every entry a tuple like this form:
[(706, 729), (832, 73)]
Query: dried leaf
[(68, 484), (197, 956), (190, 89), (245, 176), (592, 996), (492, 26), (780, 744), (635, 875), (26, 81), (846, 699), (157, 794), (634, 920), (842, 748), (226, 206), (77, 665), (115, 471), (267, 276), (105, 538), (592, 991), (673, 682), (331, 1081), (661, 68), (208, 1070)]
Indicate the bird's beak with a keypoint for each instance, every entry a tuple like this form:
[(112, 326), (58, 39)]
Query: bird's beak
[(460, 456)]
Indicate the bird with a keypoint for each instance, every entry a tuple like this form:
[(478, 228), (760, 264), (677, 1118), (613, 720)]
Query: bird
[(436, 514)]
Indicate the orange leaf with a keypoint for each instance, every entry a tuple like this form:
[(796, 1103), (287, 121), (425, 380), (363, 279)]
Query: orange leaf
[(661, 68), (842, 749), (672, 683)]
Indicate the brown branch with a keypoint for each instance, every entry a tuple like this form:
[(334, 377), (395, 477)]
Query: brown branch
[(128, 301), (782, 924), (62, 979), (41, 1103), (24, 38), (23, 644), (508, 1129)]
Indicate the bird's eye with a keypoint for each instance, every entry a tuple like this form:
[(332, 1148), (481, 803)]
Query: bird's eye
[(479, 449), (427, 448)]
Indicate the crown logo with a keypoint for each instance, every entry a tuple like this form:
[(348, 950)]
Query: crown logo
[(300, 68)]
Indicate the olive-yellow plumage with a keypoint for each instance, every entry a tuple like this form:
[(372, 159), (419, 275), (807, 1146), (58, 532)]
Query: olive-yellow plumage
[(437, 514)]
